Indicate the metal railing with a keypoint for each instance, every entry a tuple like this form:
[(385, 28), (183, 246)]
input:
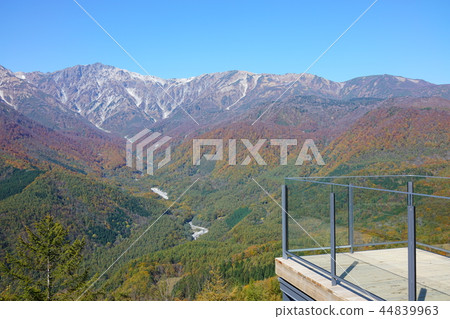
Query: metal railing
[(354, 184)]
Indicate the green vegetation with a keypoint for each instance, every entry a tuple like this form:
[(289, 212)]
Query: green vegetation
[(13, 180), (237, 216), (46, 265)]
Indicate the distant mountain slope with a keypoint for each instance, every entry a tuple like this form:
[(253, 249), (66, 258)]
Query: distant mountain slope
[(39, 106), (388, 86), (27, 141), (124, 102), (412, 131), (402, 135)]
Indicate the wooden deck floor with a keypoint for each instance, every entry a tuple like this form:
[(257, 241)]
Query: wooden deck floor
[(382, 272)]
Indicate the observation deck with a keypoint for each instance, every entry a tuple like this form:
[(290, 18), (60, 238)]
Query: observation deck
[(365, 238)]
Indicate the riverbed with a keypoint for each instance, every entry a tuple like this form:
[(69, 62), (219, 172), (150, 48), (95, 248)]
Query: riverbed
[(198, 230), (160, 192)]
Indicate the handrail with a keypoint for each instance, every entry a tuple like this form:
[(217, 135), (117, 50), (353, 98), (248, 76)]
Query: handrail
[(433, 247), (371, 188), (365, 245), (370, 176), (410, 209)]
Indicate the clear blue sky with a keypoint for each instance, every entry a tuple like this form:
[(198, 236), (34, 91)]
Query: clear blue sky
[(188, 38)]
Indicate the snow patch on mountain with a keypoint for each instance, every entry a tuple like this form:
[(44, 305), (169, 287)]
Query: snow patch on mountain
[(64, 96), (2, 96), (102, 129), (245, 86), (137, 98), (20, 75), (184, 80), (166, 114)]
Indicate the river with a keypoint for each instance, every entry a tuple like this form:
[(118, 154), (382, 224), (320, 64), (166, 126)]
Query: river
[(160, 192), (198, 231)]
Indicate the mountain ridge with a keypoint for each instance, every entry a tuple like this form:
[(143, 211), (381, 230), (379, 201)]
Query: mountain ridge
[(108, 96)]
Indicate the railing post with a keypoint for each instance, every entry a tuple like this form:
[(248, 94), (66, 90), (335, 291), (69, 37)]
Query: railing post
[(333, 239), (350, 217), (412, 289), (410, 196), (284, 221)]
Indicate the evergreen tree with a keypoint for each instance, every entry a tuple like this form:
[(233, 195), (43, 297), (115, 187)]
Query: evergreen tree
[(46, 265), (215, 289)]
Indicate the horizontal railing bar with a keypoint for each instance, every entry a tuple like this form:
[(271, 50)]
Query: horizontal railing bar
[(433, 247), (327, 273), (313, 249), (369, 176), (371, 188), (348, 246), (379, 244)]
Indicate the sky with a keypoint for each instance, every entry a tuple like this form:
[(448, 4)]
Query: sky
[(179, 39)]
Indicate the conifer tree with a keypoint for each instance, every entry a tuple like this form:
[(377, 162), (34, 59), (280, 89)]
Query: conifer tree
[(215, 289), (46, 265)]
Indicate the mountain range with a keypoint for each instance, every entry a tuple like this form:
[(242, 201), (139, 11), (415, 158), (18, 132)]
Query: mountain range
[(123, 102)]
